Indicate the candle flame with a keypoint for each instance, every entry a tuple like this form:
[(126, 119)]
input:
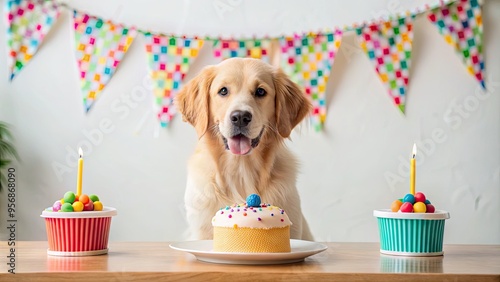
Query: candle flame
[(414, 150), (80, 152)]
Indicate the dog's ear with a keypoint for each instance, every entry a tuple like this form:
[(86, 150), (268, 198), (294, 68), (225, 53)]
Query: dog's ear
[(193, 100), (291, 103)]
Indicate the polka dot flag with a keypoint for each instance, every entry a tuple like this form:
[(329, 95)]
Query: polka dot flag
[(461, 25), (100, 46), (308, 59), (28, 22), (169, 59), (255, 48), (388, 46)]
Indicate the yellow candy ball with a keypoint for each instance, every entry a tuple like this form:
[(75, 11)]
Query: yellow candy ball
[(419, 207), (77, 206), (98, 206), (62, 201)]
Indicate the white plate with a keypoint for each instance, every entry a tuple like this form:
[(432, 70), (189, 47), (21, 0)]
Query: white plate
[(202, 250)]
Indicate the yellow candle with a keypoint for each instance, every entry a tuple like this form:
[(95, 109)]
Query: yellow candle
[(79, 177), (412, 170)]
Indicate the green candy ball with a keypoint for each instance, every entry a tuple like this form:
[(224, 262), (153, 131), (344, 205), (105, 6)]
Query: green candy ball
[(94, 198), (69, 197), (67, 207)]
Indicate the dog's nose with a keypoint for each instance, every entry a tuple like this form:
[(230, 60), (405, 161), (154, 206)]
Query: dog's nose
[(241, 118)]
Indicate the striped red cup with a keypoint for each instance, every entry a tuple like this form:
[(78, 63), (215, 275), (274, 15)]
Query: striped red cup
[(83, 233)]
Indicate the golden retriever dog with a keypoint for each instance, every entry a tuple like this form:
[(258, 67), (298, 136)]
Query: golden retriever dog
[(242, 110)]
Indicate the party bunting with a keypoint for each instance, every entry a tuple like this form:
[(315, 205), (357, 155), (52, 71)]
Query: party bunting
[(462, 27), (100, 46), (169, 59), (388, 46), (256, 48), (308, 59), (28, 22)]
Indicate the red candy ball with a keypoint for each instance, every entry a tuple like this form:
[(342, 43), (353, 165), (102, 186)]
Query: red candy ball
[(419, 197), (89, 206), (406, 207), (430, 208)]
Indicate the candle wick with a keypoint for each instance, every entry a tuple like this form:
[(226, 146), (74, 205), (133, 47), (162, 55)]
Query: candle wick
[(413, 156)]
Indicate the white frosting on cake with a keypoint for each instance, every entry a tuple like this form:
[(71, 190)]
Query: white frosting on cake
[(240, 215)]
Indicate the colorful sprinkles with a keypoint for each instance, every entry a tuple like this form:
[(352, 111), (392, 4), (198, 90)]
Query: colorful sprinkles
[(245, 208), (255, 214)]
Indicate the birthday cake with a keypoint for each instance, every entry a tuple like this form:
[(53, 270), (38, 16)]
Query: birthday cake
[(78, 225), (411, 227), (251, 227)]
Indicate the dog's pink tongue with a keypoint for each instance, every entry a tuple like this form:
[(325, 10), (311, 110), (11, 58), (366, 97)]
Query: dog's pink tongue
[(239, 145)]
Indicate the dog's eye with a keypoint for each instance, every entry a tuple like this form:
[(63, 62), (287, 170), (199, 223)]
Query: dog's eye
[(260, 92), (223, 91)]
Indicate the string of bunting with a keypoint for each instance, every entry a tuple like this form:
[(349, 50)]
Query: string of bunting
[(307, 58)]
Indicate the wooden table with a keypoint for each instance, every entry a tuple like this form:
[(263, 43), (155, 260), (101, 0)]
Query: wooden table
[(155, 261)]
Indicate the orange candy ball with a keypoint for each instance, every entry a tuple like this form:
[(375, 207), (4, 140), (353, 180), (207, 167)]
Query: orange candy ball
[(396, 205), (84, 199)]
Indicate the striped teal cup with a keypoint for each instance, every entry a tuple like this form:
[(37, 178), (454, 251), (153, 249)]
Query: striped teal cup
[(411, 234)]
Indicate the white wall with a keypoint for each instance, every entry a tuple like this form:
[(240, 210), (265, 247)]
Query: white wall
[(141, 171)]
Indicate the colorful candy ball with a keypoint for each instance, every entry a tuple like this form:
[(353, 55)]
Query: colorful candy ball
[(430, 208), (419, 207), (89, 206), (94, 198), (253, 200), (69, 197), (420, 197), (66, 207), (77, 203), (396, 205), (98, 206), (56, 206), (77, 206), (406, 207), (84, 199), (417, 203), (409, 198)]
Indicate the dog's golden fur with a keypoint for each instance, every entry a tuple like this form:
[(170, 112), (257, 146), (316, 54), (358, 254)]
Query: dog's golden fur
[(231, 162)]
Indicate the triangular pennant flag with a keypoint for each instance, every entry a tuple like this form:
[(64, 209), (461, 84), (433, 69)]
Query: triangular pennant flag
[(461, 25), (251, 48), (308, 59), (388, 46), (169, 59), (28, 22), (100, 46)]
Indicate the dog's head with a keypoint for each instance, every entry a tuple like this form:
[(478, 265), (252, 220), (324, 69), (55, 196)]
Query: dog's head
[(242, 101)]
